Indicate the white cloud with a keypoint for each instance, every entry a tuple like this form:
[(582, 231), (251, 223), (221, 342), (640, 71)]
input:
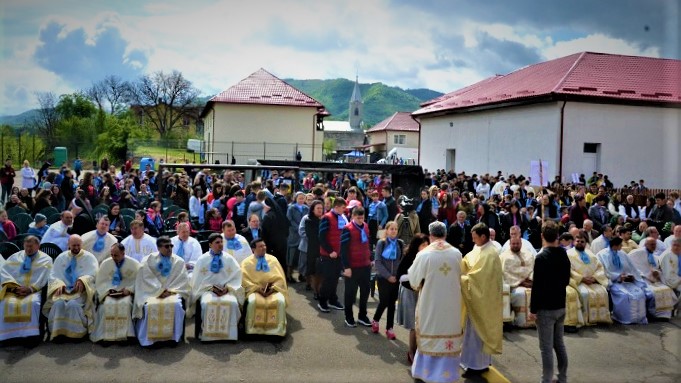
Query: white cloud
[(598, 43)]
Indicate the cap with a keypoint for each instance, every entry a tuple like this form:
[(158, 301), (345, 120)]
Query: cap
[(39, 218)]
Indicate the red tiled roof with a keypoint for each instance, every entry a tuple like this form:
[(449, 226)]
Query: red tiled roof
[(587, 74), (400, 121), (264, 88)]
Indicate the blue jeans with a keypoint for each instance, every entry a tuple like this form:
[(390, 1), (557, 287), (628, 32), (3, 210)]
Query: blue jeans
[(550, 333)]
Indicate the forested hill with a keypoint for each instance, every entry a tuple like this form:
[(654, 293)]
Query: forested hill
[(380, 100)]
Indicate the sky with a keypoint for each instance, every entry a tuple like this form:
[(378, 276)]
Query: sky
[(64, 46)]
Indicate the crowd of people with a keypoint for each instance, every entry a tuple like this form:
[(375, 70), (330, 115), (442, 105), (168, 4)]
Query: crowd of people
[(202, 243)]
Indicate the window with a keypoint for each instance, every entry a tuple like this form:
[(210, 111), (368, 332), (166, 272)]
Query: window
[(590, 147), (185, 121), (356, 111), (399, 139)]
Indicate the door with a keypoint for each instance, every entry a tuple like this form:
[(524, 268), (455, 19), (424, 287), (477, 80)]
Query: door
[(591, 158), (450, 159)]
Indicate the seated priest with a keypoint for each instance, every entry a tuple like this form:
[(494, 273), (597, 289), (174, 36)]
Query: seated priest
[(115, 285), (99, 241), (23, 276), (216, 288), (662, 298), (138, 244), (161, 288), (626, 288), (588, 278), (670, 264), (70, 307), (235, 244), (517, 265), (264, 282)]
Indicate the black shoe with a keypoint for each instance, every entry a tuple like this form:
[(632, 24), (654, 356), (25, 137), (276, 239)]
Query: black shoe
[(350, 323), (308, 288), (471, 372), (301, 278), (336, 306), (570, 329), (323, 308), (290, 280), (315, 296), (364, 321)]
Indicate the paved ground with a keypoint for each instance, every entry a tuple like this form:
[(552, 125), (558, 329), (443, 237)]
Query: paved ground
[(319, 349)]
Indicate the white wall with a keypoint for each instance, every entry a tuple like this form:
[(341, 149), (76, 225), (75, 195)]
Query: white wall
[(636, 142), (488, 141), (255, 124)]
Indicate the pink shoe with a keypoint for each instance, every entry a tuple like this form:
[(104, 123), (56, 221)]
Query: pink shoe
[(374, 327), (390, 334)]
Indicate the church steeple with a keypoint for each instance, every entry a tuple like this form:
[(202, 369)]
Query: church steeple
[(356, 106)]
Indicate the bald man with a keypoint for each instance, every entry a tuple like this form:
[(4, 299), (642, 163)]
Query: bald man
[(648, 266), (69, 307)]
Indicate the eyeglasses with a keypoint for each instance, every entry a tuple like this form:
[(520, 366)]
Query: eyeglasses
[(169, 245)]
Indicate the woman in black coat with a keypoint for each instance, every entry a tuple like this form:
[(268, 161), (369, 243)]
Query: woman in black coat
[(520, 220), (312, 233)]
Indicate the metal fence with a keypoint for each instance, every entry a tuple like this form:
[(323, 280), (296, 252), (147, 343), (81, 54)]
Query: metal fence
[(243, 152)]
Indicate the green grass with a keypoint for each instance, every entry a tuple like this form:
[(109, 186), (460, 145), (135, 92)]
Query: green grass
[(169, 155)]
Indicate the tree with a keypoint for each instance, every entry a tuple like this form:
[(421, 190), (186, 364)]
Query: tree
[(328, 147), (112, 90), (47, 121), (164, 99), (75, 105)]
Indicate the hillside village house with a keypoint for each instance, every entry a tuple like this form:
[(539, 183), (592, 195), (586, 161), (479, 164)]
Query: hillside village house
[(397, 135), (619, 115), (262, 117)]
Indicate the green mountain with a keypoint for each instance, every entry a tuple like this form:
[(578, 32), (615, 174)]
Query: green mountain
[(19, 120), (380, 100)]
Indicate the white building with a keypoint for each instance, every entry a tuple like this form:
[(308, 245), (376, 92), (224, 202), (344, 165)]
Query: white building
[(618, 115), (396, 137), (263, 117)]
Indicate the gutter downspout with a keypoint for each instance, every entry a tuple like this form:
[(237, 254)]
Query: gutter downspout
[(562, 133), (314, 129), (418, 158)]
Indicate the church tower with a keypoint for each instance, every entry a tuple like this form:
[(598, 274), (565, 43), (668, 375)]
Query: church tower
[(356, 106)]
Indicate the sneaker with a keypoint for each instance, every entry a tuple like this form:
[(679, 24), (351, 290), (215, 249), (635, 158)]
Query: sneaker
[(350, 323), (364, 322), (374, 327), (323, 308), (336, 306), (390, 334)]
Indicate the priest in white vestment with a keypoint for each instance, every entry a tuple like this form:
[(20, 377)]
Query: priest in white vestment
[(264, 282), (235, 244), (651, 232), (115, 285), (518, 265), (648, 267), (99, 241), (70, 295), (602, 241), (670, 264), (186, 247), (514, 232), (676, 234), (436, 275), (161, 287), (23, 275), (216, 286), (587, 277), (138, 244), (58, 233)]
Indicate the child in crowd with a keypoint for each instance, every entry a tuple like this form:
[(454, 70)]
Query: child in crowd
[(388, 256), (214, 220)]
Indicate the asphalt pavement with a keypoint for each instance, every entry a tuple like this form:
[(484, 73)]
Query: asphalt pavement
[(318, 348)]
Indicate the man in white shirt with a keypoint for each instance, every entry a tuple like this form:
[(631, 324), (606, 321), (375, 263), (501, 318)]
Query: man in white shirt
[(630, 211), (483, 188), (670, 265), (526, 245), (603, 240), (99, 241), (651, 232), (58, 233), (186, 247), (138, 244), (235, 244)]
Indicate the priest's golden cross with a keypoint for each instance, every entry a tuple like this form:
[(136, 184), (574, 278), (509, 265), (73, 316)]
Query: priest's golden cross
[(445, 268)]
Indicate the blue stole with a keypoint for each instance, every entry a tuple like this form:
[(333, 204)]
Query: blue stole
[(255, 233), (584, 257), (651, 259), (390, 250), (99, 243), (70, 273), (262, 265), (117, 276), (616, 261), (26, 266), (299, 207), (180, 249), (164, 266), (233, 244), (216, 263)]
